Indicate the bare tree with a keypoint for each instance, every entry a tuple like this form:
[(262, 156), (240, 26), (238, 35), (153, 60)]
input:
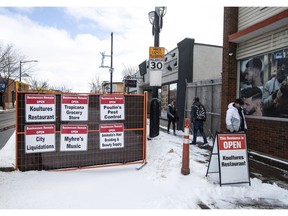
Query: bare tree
[(37, 85), (61, 88), (9, 66), (129, 71), (95, 85)]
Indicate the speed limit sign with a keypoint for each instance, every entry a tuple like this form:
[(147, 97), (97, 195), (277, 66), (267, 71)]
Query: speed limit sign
[(156, 64)]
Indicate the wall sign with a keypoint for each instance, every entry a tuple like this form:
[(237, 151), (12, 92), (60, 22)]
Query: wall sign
[(39, 138), (74, 108), (229, 157), (111, 136), (40, 108), (112, 107), (74, 137)]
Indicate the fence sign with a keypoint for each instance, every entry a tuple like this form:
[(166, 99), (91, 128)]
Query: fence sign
[(39, 138), (112, 107), (74, 137), (74, 108), (111, 136), (229, 157), (40, 108)]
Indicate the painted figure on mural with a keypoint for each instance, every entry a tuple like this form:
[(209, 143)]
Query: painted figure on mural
[(252, 75), (252, 97), (275, 95)]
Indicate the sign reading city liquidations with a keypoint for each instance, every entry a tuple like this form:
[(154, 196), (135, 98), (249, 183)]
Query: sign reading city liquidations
[(229, 157), (39, 138), (112, 107)]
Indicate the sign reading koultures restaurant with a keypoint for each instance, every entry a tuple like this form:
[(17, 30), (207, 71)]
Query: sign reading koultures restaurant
[(74, 108), (112, 107), (40, 108)]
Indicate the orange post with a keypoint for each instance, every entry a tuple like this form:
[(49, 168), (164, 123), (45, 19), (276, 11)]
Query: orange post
[(185, 170)]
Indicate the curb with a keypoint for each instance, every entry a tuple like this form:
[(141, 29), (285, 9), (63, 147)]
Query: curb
[(270, 160)]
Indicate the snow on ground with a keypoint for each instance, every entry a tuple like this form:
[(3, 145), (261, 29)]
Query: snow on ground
[(158, 185)]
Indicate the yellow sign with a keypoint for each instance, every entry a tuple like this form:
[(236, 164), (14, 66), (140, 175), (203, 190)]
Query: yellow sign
[(156, 52)]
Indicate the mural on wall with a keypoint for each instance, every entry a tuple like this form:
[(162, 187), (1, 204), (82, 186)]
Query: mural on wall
[(264, 84)]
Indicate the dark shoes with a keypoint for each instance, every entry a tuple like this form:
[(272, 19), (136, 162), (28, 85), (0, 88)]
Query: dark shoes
[(192, 143)]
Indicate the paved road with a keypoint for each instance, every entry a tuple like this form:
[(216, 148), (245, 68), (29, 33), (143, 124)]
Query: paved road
[(7, 126)]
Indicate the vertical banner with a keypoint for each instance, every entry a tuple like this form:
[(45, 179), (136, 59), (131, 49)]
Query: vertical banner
[(74, 108), (111, 136), (39, 138), (74, 138), (112, 107), (40, 108)]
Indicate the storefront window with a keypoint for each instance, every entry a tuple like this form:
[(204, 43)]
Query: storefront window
[(168, 92), (264, 84)]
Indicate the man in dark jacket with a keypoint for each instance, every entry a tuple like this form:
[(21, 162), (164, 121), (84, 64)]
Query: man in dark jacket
[(171, 115), (198, 121)]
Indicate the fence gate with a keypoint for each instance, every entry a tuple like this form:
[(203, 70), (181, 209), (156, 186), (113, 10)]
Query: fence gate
[(67, 131)]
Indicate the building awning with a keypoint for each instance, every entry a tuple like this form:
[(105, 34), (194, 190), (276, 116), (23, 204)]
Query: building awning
[(270, 24)]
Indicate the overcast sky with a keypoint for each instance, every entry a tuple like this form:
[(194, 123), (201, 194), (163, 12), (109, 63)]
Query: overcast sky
[(67, 38)]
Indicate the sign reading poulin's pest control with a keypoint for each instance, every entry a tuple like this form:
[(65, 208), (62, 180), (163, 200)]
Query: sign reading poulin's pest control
[(40, 108), (111, 136), (74, 108), (39, 138), (112, 107), (74, 137)]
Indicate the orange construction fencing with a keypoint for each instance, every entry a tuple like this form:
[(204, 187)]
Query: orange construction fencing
[(70, 131)]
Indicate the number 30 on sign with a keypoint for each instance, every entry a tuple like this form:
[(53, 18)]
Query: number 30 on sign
[(156, 64)]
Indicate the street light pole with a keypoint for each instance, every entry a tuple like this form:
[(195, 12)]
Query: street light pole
[(156, 19), (111, 65), (20, 75)]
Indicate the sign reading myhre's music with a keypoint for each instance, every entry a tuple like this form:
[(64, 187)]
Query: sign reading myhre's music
[(112, 107), (39, 138), (74, 137), (74, 108), (40, 108), (111, 136)]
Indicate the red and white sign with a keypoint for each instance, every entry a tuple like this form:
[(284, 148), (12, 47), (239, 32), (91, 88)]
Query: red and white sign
[(233, 158), (74, 108), (40, 108), (112, 107), (111, 136), (39, 138), (74, 138)]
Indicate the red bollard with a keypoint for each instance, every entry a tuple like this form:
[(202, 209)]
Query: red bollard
[(185, 170)]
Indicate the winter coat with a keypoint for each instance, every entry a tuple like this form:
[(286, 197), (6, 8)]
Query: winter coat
[(171, 111), (233, 118)]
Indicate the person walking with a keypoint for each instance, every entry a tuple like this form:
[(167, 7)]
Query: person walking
[(198, 116), (235, 119), (171, 115)]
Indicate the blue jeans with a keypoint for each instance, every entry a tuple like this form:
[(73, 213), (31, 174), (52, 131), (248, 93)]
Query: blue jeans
[(198, 125)]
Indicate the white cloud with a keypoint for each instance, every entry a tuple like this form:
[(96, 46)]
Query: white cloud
[(72, 61)]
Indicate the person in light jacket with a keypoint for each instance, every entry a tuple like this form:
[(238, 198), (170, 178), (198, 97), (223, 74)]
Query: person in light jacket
[(235, 119)]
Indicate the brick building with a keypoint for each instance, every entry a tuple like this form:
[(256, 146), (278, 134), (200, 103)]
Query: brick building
[(257, 36)]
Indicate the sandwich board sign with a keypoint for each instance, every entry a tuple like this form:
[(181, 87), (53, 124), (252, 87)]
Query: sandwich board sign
[(229, 158)]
